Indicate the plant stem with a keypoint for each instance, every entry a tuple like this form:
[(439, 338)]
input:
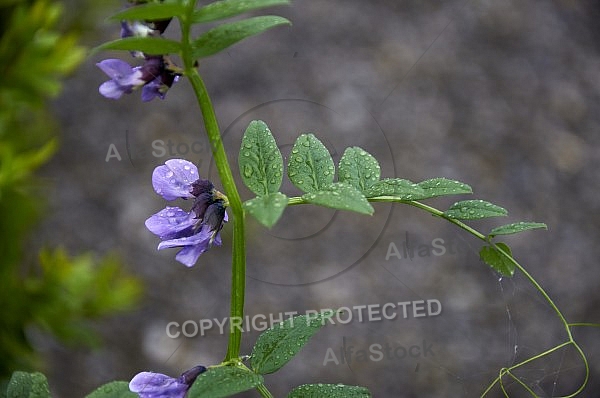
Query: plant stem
[(238, 278)]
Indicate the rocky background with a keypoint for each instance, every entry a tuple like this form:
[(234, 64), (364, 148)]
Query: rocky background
[(502, 95)]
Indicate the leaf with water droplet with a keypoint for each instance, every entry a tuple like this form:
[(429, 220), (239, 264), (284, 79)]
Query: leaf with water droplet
[(223, 381), (516, 227), (329, 391), (359, 168), (267, 209), (277, 345), (114, 389), (474, 210), (311, 168), (260, 162), (396, 187), (443, 186), (342, 196), (495, 259), (27, 385)]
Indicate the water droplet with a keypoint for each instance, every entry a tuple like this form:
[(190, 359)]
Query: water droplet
[(169, 174)]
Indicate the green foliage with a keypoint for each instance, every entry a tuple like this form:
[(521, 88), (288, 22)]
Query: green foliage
[(277, 345), (28, 385), (115, 389), (474, 210), (70, 291), (227, 34), (396, 187), (148, 45), (443, 186), (208, 43), (229, 8), (59, 294), (223, 381), (260, 161), (359, 169), (342, 196), (267, 209), (517, 227), (329, 390), (310, 166), (495, 259)]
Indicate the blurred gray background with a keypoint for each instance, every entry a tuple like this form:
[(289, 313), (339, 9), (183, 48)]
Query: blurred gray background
[(502, 95)]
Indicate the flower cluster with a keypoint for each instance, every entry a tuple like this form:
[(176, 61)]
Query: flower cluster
[(158, 385), (197, 230), (155, 76)]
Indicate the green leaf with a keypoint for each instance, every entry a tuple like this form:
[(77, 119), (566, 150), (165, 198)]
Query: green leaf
[(329, 391), (474, 210), (150, 12), (443, 186), (230, 8), (492, 257), (517, 227), (147, 45), (310, 166), (277, 345), (397, 187), (342, 196), (28, 385), (223, 381), (359, 168), (225, 35), (267, 209), (260, 161), (115, 389)]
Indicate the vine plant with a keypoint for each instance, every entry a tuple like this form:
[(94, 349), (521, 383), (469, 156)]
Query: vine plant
[(310, 168)]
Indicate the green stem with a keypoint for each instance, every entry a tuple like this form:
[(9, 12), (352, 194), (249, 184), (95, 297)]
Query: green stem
[(238, 280), (570, 341), (264, 392)]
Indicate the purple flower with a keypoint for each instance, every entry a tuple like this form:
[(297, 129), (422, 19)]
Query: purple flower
[(157, 385), (155, 75), (123, 77), (194, 231)]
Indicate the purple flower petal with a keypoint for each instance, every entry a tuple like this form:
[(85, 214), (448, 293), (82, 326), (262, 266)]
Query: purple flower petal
[(152, 90), (157, 385), (174, 179), (201, 238), (170, 222), (115, 68), (110, 89), (189, 255), (123, 78)]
